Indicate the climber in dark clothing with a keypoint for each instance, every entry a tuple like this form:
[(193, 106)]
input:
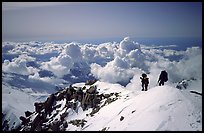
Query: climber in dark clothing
[(163, 77), (145, 82)]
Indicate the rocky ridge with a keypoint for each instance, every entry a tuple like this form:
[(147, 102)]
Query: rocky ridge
[(53, 114)]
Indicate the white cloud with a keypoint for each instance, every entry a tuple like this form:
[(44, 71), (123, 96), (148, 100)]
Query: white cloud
[(51, 80), (74, 51), (127, 45), (18, 65), (152, 61), (106, 61), (119, 62), (88, 53), (115, 71), (106, 50), (60, 65), (186, 68), (191, 66)]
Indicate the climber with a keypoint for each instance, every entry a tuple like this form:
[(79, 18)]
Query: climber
[(145, 81), (163, 77)]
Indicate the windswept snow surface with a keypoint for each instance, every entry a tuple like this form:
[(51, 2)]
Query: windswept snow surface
[(33, 70), (162, 108)]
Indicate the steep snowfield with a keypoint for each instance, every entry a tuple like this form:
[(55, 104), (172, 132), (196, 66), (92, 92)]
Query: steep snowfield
[(15, 103), (162, 108)]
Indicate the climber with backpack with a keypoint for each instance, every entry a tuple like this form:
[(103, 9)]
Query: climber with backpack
[(163, 77), (145, 81)]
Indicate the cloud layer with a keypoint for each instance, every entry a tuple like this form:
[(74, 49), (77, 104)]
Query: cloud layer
[(122, 62)]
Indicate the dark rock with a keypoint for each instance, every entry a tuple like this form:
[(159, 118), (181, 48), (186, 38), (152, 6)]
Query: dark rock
[(78, 122), (38, 107), (55, 126), (48, 104), (24, 120), (105, 129), (121, 118), (117, 94), (62, 116), (5, 125), (57, 106), (60, 96), (95, 110), (36, 122), (182, 84), (28, 113), (133, 111), (65, 124), (106, 95)]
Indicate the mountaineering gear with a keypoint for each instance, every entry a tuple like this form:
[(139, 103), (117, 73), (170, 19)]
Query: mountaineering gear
[(145, 82), (163, 77)]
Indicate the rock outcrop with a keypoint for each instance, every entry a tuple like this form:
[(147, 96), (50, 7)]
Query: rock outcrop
[(53, 114)]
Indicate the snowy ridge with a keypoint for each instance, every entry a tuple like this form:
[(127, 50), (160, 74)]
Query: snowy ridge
[(162, 108)]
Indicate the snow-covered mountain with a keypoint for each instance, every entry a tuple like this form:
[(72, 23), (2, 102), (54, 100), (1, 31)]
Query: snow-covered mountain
[(161, 108), (32, 71)]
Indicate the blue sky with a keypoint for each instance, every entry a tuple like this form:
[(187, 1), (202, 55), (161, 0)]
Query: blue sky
[(27, 21)]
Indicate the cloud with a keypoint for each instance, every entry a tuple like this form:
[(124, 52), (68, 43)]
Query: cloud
[(100, 54), (191, 65), (51, 80), (60, 65), (18, 65), (7, 46), (88, 53), (104, 61), (127, 45), (74, 51), (114, 71)]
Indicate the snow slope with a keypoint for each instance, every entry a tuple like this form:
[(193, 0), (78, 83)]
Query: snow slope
[(162, 108), (16, 102)]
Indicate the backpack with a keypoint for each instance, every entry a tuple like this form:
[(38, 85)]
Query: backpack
[(165, 76)]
